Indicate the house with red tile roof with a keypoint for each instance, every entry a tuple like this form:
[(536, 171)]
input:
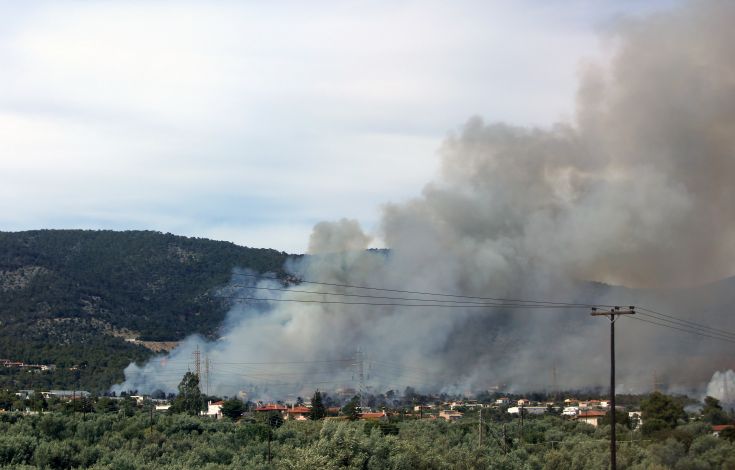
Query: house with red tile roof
[(298, 413), (718, 428), (373, 416), (592, 417), (272, 407)]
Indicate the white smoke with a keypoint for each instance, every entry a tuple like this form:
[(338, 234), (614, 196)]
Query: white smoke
[(636, 191), (722, 387)]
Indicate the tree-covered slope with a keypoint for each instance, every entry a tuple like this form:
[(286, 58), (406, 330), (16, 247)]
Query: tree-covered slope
[(70, 297)]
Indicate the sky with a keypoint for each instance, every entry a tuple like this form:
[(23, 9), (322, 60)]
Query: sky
[(253, 121)]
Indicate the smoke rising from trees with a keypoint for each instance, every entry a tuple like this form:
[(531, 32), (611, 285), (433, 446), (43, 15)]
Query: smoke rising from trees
[(636, 191)]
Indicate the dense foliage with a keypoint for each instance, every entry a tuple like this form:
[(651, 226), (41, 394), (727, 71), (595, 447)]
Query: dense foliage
[(113, 440), (70, 297)]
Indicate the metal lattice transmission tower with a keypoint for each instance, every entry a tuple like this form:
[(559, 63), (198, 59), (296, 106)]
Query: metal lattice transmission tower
[(656, 382), (359, 365), (207, 371), (197, 355)]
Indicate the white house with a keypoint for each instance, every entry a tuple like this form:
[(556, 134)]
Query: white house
[(450, 415), (531, 410), (214, 409)]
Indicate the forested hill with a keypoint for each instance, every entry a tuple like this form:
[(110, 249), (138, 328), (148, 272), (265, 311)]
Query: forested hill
[(71, 297)]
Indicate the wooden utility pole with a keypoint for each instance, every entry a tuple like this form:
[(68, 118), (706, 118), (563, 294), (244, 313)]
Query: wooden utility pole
[(269, 443), (505, 441), (612, 315), (479, 430), (521, 415)]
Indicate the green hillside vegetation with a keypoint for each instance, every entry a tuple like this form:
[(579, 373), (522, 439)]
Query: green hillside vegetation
[(71, 297)]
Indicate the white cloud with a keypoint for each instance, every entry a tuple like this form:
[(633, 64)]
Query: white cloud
[(176, 117)]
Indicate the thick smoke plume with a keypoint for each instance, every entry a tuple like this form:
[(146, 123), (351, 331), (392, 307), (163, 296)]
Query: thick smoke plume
[(636, 191)]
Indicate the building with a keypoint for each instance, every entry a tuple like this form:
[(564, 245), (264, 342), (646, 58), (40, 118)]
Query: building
[(472, 404), (635, 417), (374, 416), (570, 411), (592, 417), (271, 407), (450, 415), (502, 401), (718, 428), (66, 394), (528, 410), (214, 409), (422, 408), (298, 413), (139, 399)]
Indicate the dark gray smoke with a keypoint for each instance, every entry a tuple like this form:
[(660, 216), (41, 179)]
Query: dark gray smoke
[(637, 191)]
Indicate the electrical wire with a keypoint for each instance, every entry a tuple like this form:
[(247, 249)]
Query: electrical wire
[(681, 329), (687, 327), (467, 302), (693, 324), (374, 304), (498, 299)]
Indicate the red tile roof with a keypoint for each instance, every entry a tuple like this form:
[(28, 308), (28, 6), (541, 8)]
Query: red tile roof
[(271, 407), (591, 414), (299, 410), (722, 427)]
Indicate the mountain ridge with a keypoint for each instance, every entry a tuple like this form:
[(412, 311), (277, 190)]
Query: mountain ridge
[(71, 297)]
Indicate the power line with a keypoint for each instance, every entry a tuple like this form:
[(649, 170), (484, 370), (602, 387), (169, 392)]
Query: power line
[(467, 302), (499, 299), (286, 362), (434, 303), (682, 329), (687, 327), (337, 302), (694, 324)]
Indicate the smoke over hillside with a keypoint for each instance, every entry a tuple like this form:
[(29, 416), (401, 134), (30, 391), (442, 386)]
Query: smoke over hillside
[(637, 191)]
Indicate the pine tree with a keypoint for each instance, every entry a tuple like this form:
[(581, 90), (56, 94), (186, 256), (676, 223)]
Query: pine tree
[(233, 408), (190, 399), (318, 411), (352, 408)]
